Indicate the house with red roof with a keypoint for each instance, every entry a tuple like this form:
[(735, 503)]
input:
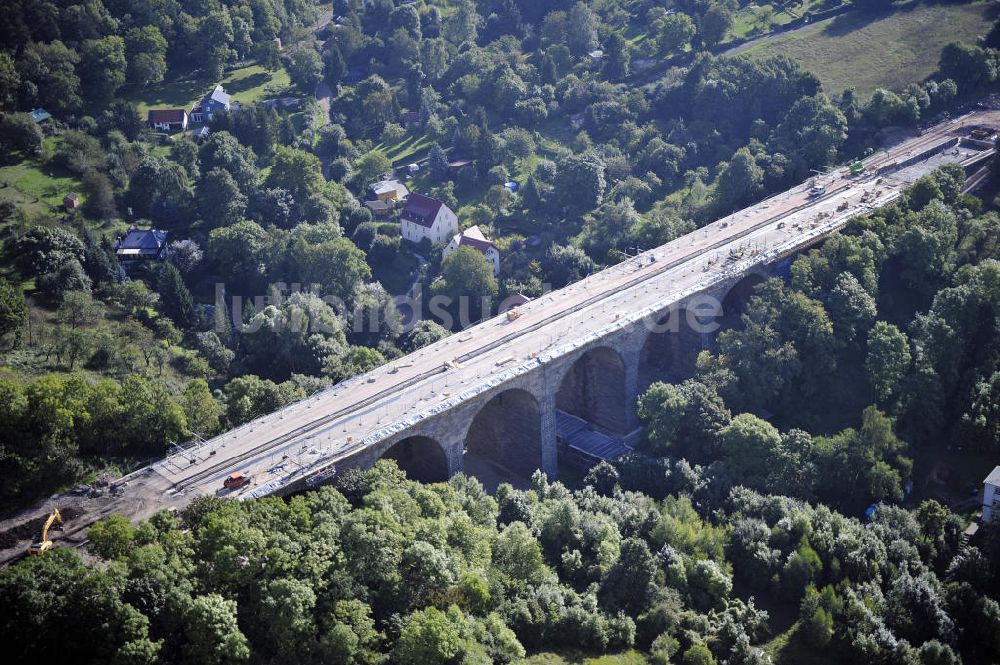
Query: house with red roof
[(167, 120), (473, 237), (424, 217)]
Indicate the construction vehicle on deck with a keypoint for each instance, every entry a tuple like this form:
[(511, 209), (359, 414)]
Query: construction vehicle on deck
[(42, 546), (236, 480)]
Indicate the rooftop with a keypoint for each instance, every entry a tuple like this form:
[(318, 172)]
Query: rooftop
[(39, 115), (138, 242), (473, 237), (165, 115), (390, 185), (994, 477), (422, 210), (218, 95), (379, 205)]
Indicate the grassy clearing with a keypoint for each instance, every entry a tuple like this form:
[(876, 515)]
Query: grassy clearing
[(548, 658), (408, 147), (246, 84), (790, 648), (36, 187), (46, 183), (747, 23), (891, 51)]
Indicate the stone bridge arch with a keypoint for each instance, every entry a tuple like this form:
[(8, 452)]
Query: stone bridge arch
[(508, 430), (673, 340), (421, 457), (595, 387), (736, 298)]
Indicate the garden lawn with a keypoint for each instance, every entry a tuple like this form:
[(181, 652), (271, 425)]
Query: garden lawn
[(410, 146), (888, 51), (246, 85), (35, 186), (745, 20)]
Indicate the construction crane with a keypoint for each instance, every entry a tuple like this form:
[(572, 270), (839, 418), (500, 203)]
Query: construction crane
[(41, 546)]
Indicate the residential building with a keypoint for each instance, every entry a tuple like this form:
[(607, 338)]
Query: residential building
[(473, 237), (991, 494), (71, 201), (140, 244), (39, 115), (389, 190), (212, 103), (424, 217), (167, 120), (380, 208)]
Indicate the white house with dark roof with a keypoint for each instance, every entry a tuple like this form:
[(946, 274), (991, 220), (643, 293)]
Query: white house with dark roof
[(424, 217), (473, 237), (167, 120), (991, 494), (212, 103)]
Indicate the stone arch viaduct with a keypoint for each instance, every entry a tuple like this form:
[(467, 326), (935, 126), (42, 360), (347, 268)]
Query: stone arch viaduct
[(580, 355), (514, 423)]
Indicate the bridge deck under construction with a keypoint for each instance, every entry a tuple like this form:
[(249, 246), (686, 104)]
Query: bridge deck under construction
[(305, 439)]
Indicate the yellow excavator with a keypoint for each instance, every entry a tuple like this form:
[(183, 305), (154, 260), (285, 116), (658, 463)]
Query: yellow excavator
[(44, 545)]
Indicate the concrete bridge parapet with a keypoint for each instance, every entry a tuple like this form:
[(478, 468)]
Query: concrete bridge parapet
[(514, 422)]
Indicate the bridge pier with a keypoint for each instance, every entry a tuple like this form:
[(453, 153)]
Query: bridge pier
[(631, 358), (550, 460)]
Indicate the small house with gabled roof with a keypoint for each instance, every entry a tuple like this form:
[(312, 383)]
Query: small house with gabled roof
[(212, 103), (390, 189), (473, 237), (167, 120)]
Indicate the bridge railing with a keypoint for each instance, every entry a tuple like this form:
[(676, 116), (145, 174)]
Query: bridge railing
[(732, 271)]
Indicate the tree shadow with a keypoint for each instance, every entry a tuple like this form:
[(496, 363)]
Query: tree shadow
[(248, 82), (857, 19)]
